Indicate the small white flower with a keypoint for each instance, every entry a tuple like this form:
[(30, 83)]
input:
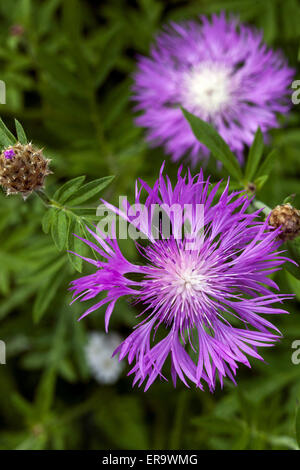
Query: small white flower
[(99, 349)]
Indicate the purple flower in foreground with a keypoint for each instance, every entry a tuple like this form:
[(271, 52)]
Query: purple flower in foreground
[(203, 305), (222, 72)]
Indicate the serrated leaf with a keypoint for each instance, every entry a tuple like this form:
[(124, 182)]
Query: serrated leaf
[(255, 155), (20, 133), (6, 137), (89, 190), (208, 136), (68, 189), (59, 229)]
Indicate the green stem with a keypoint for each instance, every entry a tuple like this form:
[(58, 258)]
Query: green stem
[(261, 205), (43, 196), (178, 421), (75, 413)]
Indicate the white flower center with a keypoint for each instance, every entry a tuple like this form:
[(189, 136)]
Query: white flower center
[(189, 281), (207, 88)]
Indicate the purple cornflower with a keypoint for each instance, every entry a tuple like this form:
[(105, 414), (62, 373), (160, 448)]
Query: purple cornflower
[(201, 305), (220, 71), (9, 154)]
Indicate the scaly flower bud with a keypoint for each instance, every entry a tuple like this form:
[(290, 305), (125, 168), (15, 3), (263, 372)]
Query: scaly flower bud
[(23, 169), (288, 218)]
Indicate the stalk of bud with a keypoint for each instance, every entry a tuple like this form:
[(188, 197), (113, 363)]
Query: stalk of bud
[(288, 218), (23, 169)]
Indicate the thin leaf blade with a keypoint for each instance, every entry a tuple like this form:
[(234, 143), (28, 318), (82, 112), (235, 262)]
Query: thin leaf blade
[(208, 136), (255, 155), (90, 190)]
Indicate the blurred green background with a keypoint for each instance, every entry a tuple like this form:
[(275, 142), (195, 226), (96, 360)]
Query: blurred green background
[(67, 66)]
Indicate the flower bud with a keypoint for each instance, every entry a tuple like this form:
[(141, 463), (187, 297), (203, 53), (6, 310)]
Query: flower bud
[(288, 218), (23, 169)]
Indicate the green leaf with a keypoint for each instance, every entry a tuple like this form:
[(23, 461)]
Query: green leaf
[(20, 133), (127, 413), (266, 168), (89, 190), (18, 297), (72, 18), (255, 155), (59, 229), (289, 199), (4, 280), (6, 137), (76, 245), (24, 407), (45, 392), (208, 136), (47, 219), (67, 370), (68, 189), (45, 296), (42, 273)]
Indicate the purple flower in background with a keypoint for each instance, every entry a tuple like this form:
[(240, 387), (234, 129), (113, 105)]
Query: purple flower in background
[(222, 72), (202, 304)]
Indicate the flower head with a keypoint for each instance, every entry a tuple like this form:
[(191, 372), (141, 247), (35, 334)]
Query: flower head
[(220, 71), (287, 218), (99, 351), (23, 169), (202, 293)]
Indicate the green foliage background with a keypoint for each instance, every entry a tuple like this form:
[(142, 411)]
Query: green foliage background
[(68, 78)]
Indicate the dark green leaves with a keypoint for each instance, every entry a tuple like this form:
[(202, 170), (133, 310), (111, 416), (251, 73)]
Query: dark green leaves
[(59, 228), (264, 171), (255, 171), (90, 190), (47, 293), (258, 171), (7, 138), (208, 136), (20, 133), (75, 245), (64, 218)]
